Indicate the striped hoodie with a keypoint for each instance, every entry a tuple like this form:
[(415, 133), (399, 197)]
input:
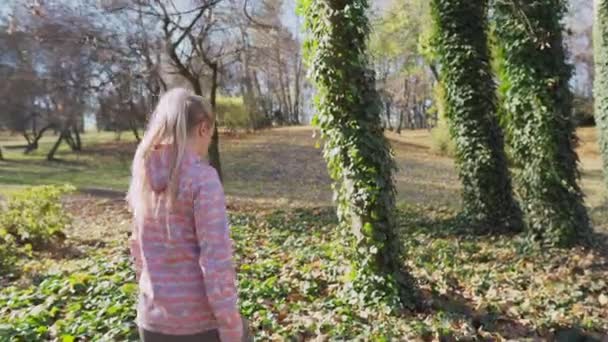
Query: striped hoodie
[(183, 258)]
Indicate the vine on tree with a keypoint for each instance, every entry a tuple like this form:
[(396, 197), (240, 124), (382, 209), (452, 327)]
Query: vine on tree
[(461, 41), (539, 117), (358, 156)]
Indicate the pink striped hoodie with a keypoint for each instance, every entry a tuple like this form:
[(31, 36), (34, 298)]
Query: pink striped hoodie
[(186, 279)]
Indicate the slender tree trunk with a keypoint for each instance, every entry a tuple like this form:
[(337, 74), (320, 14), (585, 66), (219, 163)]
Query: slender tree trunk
[(297, 87), (539, 104), (289, 100), (247, 85), (34, 124), (1, 155), (70, 140), (601, 79), (28, 139), (51, 155), (33, 145), (78, 142), (471, 108), (387, 104), (214, 151), (401, 113), (406, 100), (282, 91), (258, 87)]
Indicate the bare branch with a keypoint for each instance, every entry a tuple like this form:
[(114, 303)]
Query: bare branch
[(255, 22)]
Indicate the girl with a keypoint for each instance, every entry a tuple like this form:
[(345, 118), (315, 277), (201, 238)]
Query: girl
[(181, 243)]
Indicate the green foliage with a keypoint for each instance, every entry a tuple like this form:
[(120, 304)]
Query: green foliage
[(94, 302), (358, 156), (9, 252), (601, 79), (232, 113), (291, 269), (520, 292), (35, 216), (470, 107), (441, 141), (538, 106), (396, 34)]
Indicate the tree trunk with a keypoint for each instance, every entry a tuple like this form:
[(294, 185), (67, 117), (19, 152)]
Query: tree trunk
[(536, 78), (601, 79), (297, 87), (34, 124), (78, 142), (282, 91), (33, 145), (51, 155), (406, 100), (1, 155), (214, 151), (401, 113), (363, 186), (388, 115), (133, 127), (247, 85), (267, 110), (70, 140), (471, 109)]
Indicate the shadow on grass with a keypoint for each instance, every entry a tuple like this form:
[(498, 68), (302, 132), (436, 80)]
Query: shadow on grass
[(438, 238), (445, 222), (103, 193)]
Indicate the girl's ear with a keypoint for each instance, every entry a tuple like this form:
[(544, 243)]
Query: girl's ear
[(203, 128)]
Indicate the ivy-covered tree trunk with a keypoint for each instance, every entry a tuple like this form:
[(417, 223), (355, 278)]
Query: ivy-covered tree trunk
[(359, 157), (538, 106), (470, 107), (601, 79)]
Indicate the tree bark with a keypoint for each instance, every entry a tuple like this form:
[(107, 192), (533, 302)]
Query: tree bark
[(298, 85), (135, 132), (406, 99), (78, 142), (401, 113), (33, 141), (282, 86), (388, 115), (601, 79), (51, 155), (214, 151)]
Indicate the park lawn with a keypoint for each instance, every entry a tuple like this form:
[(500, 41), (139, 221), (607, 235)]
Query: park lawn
[(103, 163), (289, 252)]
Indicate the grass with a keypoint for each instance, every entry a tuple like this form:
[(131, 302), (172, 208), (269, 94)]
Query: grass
[(103, 163), (289, 251)]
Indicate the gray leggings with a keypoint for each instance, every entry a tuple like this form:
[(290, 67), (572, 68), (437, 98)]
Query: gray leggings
[(207, 336)]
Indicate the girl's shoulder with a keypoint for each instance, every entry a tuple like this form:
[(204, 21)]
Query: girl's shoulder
[(203, 173)]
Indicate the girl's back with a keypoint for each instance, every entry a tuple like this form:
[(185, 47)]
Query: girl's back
[(181, 241)]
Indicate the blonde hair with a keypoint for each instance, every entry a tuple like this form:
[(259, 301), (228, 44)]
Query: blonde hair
[(177, 113)]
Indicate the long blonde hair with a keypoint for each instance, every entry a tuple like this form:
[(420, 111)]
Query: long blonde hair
[(177, 113)]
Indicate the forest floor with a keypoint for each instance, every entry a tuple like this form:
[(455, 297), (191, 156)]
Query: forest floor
[(288, 251)]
